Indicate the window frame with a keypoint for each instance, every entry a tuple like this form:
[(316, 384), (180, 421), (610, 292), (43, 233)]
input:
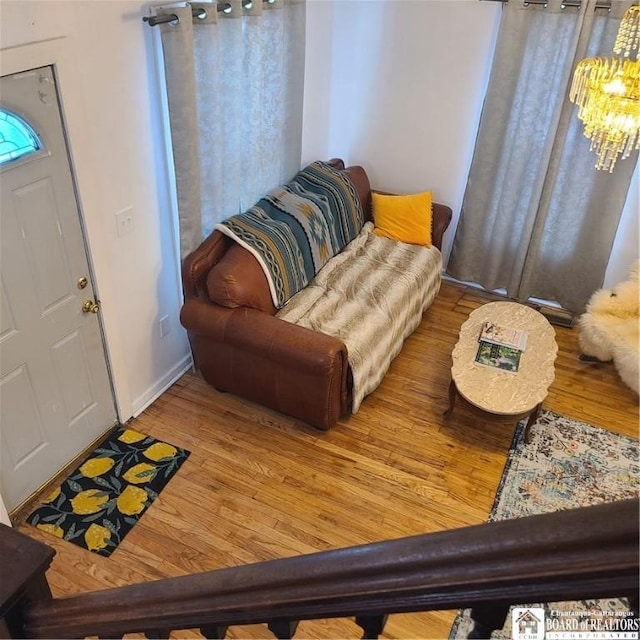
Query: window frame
[(30, 130)]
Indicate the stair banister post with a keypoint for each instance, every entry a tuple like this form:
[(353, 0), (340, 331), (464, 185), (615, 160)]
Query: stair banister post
[(486, 619), (24, 562)]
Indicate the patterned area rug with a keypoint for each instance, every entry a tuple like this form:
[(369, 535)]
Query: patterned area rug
[(105, 497), (566, 464)]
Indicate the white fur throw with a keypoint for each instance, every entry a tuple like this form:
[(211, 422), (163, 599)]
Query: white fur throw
[(609, 330), (371, 296)]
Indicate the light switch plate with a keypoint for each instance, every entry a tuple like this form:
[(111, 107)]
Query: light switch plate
[(124, 221)]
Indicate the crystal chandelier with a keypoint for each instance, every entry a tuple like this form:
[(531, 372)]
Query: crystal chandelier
[(607, 92)]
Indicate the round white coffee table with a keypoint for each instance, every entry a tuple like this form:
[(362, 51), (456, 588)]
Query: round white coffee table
[(496, 394)]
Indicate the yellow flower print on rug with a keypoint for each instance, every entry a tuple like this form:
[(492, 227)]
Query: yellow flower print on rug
[(89, 501), (132, 501), (159, 451), (96, 467), (52, 529), (141, 473), (97, 537), (107, 494), (130, 436)]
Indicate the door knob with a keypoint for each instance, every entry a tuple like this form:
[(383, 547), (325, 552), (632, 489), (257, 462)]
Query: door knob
[(90, 306)]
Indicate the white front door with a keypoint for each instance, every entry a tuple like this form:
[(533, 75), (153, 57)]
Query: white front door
[(55, 392)]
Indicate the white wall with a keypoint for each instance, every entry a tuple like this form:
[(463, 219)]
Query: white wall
[(113, 118), (626, 247), (397, 86)]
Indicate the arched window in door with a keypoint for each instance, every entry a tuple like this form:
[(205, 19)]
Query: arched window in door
[(17, 138)]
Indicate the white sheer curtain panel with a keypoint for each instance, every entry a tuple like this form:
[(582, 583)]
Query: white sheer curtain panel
[(537, 218), (235, 88)]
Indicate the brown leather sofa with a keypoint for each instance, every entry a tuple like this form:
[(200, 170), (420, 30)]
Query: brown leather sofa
[(240, 346)]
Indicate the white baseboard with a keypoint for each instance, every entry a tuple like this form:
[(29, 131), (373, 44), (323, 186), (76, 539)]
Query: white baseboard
[(156, 390), (4, 516)]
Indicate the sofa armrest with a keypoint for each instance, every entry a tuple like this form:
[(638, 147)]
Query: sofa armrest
[(440, 220), (198, 263), (270, 361)]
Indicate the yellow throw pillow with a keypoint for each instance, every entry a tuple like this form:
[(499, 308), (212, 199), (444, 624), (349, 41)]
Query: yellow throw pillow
[(406, 218)]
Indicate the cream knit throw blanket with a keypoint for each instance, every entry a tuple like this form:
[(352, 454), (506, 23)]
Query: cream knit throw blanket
[(372, 296)]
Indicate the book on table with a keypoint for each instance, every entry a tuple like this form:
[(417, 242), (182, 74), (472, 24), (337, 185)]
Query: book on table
[(502, 335), (498, 356)]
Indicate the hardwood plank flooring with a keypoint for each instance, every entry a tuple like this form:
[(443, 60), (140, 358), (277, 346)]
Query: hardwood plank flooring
[(260, 485)]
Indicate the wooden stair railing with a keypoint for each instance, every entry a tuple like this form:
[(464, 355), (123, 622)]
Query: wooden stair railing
[(589, 552)]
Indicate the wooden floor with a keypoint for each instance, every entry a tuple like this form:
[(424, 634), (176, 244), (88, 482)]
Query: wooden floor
[(259, 485)]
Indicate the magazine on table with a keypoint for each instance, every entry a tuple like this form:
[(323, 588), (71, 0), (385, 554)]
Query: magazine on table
[(498, 356), (505, 336)]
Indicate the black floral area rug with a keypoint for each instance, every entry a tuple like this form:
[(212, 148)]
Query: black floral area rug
[(99, 503)]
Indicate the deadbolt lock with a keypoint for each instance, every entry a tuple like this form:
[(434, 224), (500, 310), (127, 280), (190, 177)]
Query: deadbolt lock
[(82, 283), (90, 306)]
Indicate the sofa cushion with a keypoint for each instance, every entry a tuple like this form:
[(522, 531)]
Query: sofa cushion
[(406, 218), (237, 280)]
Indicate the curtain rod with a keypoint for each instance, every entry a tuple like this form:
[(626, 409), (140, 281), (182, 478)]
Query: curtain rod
[(601, 4), (196, 12)]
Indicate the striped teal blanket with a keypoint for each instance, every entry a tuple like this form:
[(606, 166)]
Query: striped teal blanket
[(296, 228)]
